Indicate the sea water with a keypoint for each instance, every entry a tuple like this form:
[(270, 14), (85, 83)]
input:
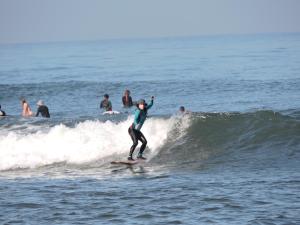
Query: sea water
[(234, 159)]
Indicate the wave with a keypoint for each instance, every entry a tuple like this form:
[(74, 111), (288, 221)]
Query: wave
[(175, 140), (85, 142), (231, 137)]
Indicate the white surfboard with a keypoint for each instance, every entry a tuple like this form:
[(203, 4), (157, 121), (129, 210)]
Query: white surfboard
[(111, 112)]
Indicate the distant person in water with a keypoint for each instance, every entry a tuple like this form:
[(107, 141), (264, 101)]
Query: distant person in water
[(106, 104), (2, 113), (127, 100), (134, 130), (26, 111), (42, 109), (183, 111)]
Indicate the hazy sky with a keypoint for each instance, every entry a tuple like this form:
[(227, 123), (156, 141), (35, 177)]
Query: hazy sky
[(62, 20)]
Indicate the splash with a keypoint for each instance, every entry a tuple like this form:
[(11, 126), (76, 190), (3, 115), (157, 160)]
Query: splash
[(86, 142)]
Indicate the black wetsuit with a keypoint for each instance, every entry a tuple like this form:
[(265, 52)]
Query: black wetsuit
[(2, 113), (136, 136), (127, 103), (43, 110)]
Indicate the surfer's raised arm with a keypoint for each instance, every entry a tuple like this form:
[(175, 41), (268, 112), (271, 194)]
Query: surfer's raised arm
[(151, 103)]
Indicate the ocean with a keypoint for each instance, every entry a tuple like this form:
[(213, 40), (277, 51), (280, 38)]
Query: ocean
[(233, 159)]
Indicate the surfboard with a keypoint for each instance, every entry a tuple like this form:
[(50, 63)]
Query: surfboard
[(128, 162), (110, 113)]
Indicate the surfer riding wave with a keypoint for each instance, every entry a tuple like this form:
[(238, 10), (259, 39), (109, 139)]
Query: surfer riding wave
[(135, 129)]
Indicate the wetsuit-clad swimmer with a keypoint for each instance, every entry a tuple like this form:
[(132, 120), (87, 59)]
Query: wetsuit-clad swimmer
[(2, 113), (183, 111), (134, 130), (42, 109), (106, 104), (127, 100)]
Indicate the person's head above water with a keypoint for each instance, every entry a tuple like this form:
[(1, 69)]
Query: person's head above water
[(40, 103), (127, 92), (23, 100), (181, 109)]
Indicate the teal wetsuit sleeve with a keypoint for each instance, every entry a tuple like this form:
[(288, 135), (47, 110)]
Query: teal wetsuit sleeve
[(136, 117), (150, 105)]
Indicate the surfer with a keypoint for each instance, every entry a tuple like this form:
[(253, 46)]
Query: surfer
[(42, 109), (126, 99), (2, 113), (134, 130), (106, 104), (26, 111)]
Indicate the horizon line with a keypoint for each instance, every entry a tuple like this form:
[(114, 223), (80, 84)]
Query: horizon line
[(150, 37)]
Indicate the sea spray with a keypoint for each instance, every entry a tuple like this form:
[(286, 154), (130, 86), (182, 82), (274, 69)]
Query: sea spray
[(87, 141)]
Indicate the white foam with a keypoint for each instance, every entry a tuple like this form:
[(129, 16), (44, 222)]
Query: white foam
[(86, 142)]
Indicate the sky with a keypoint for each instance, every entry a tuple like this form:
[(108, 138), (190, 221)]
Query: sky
[(71, 20)]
